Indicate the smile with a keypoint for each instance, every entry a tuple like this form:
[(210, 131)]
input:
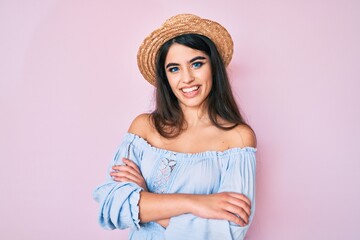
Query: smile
[(190, 89)]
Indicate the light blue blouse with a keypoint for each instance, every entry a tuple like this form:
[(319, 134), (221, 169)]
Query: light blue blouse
[(165, 171)]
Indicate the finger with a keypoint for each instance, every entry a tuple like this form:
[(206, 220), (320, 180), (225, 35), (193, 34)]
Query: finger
[(131, 177), (121, 179), (239, 203), (232, 218), (125, 179), (241, 197), (116, 167), (237, 200), (131, 164), (130, 170), (163, 222), (122, 163), (237, 211), (129, 173)]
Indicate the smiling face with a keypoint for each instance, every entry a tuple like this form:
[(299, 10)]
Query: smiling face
[(189, 74)]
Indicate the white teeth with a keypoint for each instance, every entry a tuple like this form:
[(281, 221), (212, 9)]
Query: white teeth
[(187, 90)]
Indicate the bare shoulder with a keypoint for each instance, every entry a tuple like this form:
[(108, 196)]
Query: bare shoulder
[(243, 136), (141, 125)]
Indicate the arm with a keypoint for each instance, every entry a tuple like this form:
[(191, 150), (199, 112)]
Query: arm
[(224, 205), (160, 207), (118, 201)]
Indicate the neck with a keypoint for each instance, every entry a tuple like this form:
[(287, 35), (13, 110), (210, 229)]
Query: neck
[(195, 116)]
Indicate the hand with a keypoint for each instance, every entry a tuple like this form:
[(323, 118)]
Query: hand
[(128, 173), (234, 207)]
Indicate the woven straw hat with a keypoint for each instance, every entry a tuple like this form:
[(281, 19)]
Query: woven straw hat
[(179, 25)]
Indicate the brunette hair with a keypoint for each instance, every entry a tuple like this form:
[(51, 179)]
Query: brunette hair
[(168, 117)]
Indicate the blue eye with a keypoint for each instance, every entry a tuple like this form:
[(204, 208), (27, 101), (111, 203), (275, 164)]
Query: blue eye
[(197, 64), (173, 69)]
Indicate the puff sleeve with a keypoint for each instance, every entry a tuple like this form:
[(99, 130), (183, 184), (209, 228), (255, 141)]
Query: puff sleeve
[(118, 201), (238, 175)]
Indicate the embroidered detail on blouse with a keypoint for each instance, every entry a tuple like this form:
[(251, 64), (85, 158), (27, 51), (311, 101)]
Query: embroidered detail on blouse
[(163, 175)]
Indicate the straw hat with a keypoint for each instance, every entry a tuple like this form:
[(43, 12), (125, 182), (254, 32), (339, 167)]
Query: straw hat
[(175, 26)]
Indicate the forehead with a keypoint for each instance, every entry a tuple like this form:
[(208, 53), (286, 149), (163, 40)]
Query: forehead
[(180, 53)]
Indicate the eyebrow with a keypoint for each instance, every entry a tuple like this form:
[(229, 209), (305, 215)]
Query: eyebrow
[(197, 58), (191, 61)]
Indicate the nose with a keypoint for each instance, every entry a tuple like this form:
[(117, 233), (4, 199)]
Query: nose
[(187, 76)]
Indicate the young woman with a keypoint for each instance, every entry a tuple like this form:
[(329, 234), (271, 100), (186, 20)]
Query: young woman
[(186, 170)]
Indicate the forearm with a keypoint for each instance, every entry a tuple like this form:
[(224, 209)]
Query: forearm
[(233, 207), (155, 207)]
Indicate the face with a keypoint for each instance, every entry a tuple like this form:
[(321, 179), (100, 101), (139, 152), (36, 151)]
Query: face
[(189, 74)]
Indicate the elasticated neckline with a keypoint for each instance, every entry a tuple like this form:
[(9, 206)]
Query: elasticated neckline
[(143, 144)]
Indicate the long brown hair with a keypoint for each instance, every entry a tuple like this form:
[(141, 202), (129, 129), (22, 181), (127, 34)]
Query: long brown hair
[(168, 117)]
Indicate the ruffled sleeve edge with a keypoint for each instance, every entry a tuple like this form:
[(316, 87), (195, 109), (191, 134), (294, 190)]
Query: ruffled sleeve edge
[(134, 205)]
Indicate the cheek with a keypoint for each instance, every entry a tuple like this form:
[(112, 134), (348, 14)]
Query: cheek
[(206, 76), (172, 81)]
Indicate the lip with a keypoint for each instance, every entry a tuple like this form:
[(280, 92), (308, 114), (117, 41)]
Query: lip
[(193, 86), (192, 93)]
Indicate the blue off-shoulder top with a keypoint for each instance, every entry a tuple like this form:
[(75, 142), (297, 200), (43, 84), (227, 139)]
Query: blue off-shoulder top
[(165, 171)]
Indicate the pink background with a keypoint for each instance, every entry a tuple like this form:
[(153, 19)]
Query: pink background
[(69, 88)]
